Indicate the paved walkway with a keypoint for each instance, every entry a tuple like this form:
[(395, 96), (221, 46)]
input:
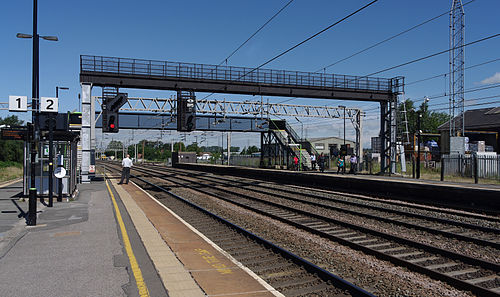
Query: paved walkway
[(75, 249)]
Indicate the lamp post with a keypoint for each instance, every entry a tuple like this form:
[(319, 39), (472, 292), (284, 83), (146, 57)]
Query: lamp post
[(51, 157), (31, 217)]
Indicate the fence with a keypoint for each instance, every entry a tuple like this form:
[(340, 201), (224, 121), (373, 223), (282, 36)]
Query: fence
[(230, 73), (471, 165), (245, 160)]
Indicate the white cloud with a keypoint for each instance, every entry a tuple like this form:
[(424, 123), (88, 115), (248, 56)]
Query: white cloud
[(495, 79)]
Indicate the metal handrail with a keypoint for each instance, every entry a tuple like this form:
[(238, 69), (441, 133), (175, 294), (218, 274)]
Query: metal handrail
[(154, 68)]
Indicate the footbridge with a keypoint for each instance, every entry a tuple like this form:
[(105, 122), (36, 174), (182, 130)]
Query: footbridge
[(112, 73)]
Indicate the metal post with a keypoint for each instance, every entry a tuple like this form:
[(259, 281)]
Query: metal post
[(419, 115), (31, 218), (413, 165), (228, 147), (345, 148), (442, 168), (476, 169), (59, 180)]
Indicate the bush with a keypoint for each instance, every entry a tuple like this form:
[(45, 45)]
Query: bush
[(5, 164)]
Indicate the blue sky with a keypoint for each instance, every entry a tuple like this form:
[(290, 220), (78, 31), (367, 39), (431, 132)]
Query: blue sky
[(208, 31)]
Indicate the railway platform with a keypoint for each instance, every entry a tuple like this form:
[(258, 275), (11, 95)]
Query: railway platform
[(112, 240)]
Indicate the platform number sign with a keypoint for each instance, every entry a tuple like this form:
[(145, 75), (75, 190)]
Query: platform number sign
[(49, 104), (18, 103)]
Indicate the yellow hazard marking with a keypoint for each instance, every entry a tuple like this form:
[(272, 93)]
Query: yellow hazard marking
[(141, 285), (213, 261)]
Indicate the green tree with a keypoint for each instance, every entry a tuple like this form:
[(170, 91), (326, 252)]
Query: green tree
[(193, 147), (252, 149), (180, 145), (215, 157), (430, 120)]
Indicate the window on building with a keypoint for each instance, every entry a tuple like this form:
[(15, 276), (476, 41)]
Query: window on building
[(319, 146)]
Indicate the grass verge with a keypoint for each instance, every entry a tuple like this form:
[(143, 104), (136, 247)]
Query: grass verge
[(10, 173)]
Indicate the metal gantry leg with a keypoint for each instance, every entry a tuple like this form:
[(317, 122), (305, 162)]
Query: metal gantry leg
[(383, 139), (86, 134)]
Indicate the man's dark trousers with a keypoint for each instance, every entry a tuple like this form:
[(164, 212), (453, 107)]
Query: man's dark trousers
[(125, 174)]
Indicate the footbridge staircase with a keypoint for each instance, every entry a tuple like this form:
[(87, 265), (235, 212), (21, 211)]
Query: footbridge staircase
[(281, 144)]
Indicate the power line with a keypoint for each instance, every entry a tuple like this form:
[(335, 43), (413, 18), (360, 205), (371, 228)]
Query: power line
[(446, 103), (444, 74), (390, 38), (416, 60), (309, 38), (251, 36), (430, 56), (381, 42), (467, 105), (258, 30)]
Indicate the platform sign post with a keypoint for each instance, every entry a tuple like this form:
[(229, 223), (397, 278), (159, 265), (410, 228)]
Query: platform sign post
[(49, 104), (18, 103)]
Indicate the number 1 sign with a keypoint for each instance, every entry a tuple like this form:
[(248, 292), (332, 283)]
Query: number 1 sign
[(18, 103), (49, 104)]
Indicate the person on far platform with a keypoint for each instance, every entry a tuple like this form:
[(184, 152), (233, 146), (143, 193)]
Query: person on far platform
[(126, 164)]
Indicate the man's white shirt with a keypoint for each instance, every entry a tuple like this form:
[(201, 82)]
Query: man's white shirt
[(127, 162)]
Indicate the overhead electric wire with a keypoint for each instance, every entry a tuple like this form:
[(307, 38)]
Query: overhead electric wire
[(251, 36), (255, 33), (444, 74), (432, 55), (381, 42), (417, 60), (390, 38), (309, 38), (467, 105), (424, 58)]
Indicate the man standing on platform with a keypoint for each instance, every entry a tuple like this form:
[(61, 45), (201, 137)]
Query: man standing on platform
[(126, 164)]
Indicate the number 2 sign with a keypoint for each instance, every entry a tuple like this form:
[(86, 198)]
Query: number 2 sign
[(49, 104), (18, 103)]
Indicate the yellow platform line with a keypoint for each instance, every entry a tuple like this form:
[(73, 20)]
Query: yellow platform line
[(141, 285)]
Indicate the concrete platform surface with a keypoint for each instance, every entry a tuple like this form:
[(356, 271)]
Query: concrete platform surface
[(74, 250)]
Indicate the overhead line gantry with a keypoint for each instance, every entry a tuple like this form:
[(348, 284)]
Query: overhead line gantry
[(112, 73)]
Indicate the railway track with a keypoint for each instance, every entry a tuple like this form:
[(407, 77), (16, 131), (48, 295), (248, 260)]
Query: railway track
[(482, 235), (289, 274), (478, 276)]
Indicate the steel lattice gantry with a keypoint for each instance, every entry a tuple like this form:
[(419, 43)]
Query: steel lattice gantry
[(112, 73)]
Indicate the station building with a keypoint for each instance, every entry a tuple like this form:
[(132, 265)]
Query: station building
[(482, 128), (326, 144)]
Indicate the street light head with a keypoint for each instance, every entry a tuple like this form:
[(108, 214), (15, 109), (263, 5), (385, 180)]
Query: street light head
[(63, 88), (50, 38), (426, 99), (22, 35)]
